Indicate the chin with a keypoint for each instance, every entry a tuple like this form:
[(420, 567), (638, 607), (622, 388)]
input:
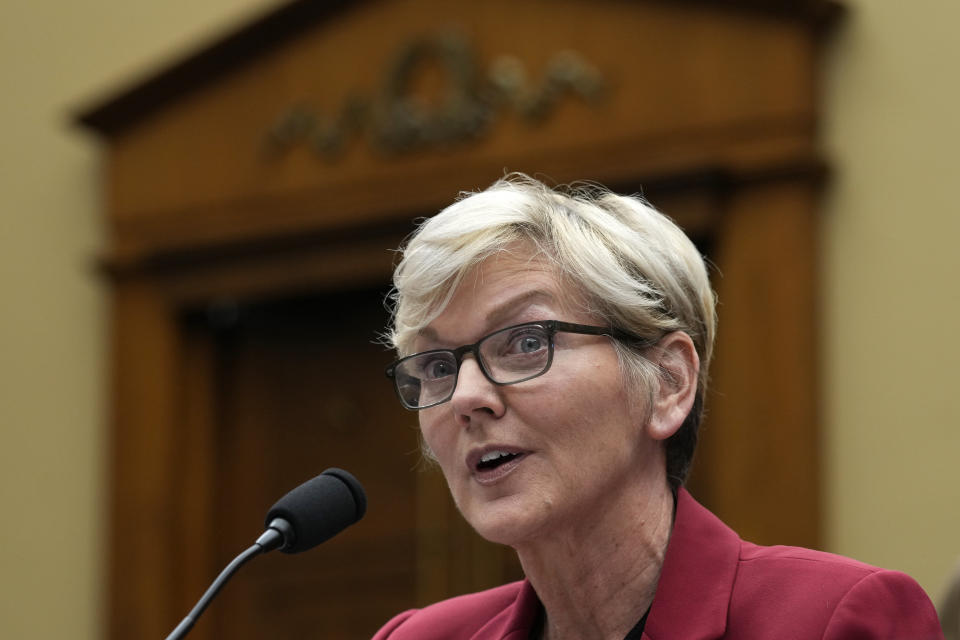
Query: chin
[(505, 521)]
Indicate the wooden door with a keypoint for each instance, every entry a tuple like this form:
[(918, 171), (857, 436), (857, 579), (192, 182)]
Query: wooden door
[(298, 387)]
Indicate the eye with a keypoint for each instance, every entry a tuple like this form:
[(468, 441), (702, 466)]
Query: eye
[(529, 344), (527, 340), (437, 368)]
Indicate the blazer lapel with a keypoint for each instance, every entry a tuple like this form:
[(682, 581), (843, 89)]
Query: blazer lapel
[(696, 581)]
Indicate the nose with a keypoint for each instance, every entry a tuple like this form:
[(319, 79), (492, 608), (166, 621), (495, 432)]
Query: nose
[(475, 397)]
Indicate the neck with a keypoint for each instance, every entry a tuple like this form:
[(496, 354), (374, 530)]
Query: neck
[(596, 577)]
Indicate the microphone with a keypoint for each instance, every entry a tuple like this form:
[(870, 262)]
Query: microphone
[(312, 513), (315, 511)]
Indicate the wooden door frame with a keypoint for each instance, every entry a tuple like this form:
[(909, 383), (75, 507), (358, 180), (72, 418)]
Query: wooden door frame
[(750, 184)]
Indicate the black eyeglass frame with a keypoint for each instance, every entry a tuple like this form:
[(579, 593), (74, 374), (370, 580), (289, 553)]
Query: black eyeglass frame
[(552, 327)]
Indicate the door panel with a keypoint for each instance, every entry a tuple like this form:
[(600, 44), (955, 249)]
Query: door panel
[(300, 388)]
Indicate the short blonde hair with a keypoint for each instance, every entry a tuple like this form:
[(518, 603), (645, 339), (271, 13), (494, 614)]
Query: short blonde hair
[(631, 265)]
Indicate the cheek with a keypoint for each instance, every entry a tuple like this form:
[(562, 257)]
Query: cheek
[(594, 416), (437, 439)]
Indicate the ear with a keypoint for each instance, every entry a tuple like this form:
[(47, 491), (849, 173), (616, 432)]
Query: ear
[(679, 366)]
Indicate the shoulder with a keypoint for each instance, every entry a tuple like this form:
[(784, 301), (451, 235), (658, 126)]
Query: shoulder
[(746, 591), (758, 561), (456, 618), (884, 604), (839, 597)]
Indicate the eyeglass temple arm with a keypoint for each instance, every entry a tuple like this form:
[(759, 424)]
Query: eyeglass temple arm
[(613, 332)]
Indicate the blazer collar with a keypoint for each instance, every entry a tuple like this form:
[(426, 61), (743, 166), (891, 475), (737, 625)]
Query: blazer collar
[(697, 577), (516, 621)]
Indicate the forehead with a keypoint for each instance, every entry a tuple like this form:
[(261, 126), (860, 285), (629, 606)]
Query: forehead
[(509, 268), (507, 288)]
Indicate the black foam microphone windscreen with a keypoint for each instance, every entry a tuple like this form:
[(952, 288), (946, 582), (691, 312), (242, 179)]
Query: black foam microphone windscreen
[(319, 509)]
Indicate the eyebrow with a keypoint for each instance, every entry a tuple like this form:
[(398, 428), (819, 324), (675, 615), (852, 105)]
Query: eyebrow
[(499, 312), (509, 306)]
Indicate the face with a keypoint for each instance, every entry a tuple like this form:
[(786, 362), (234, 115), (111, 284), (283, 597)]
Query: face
[(573, 439)]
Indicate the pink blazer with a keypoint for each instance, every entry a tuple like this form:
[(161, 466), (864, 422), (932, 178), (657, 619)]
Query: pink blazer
[(714, 585)]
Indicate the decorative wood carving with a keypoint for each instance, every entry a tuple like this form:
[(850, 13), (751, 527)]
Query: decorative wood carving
[(397, 120)]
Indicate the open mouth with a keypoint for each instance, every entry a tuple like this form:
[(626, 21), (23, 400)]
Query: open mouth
[(494, 459)]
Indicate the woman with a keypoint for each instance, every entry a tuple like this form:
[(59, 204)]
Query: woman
[(556, 346)]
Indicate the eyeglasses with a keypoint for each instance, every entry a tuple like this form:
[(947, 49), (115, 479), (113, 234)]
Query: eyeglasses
[(508, 356)]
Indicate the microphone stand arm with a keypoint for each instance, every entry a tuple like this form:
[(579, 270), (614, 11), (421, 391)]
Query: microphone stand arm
[(271, 539)]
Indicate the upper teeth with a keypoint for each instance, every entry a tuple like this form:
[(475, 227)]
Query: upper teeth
[(493, 455)]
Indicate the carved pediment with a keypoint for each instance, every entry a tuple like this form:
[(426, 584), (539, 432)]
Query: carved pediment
[(116, 112), (321, 111)]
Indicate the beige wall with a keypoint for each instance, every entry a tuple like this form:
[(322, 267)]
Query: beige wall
[(891, 293), (54, 56), (891, 267)]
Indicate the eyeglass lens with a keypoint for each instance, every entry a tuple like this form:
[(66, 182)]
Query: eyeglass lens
[(506, 356)]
